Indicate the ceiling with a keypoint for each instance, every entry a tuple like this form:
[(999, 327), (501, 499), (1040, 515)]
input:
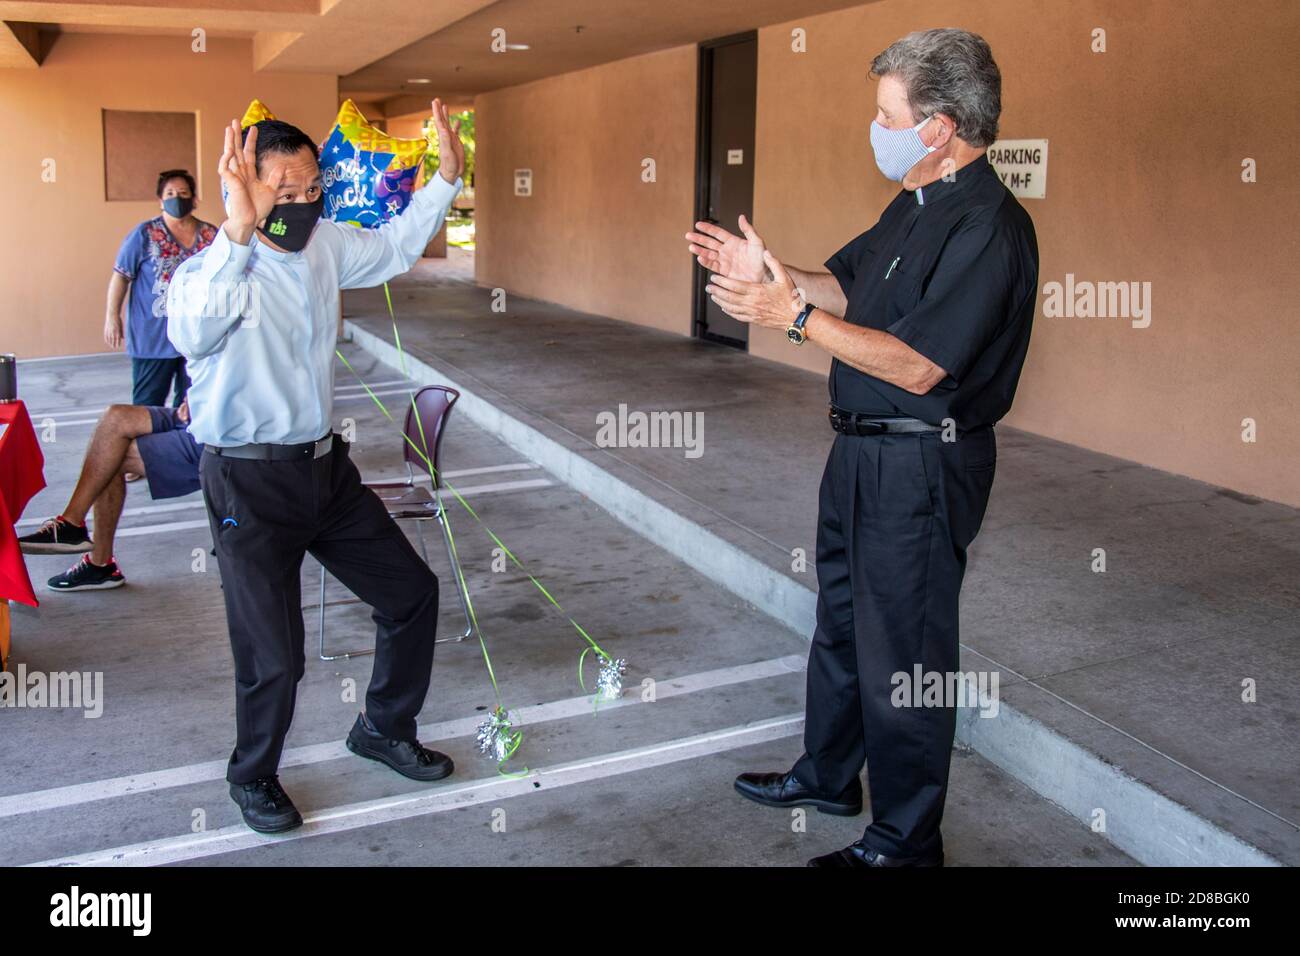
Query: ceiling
[(448, 42), (562, 35)]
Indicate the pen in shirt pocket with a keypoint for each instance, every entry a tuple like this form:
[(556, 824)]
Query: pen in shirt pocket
[(893, 265)]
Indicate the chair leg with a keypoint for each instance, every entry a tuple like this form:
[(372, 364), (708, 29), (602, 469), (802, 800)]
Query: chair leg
[(458, 573), (321, 615), (419, 534), (346, 655), (424, 551)]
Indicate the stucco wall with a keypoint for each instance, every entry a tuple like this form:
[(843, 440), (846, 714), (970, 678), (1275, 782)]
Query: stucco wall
[(593, 235), (62, 236)]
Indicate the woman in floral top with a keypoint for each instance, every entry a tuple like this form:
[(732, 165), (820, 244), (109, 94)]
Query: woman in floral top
[(145, 264)]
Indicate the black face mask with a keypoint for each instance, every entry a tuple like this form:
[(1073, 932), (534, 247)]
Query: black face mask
[(178, 207), (290, 224)]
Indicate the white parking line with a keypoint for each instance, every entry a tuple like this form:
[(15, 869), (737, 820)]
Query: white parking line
[(340, 392), (76, 794), (492, 489), (484, 470), (500, 486), (357, 386), (379, 392), (389, 809), (41, 422), (198, 502), (128, 512), (73, 358), (160, 528)]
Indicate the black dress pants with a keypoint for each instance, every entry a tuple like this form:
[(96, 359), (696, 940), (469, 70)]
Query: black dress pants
[(896, 515), (279, 511)]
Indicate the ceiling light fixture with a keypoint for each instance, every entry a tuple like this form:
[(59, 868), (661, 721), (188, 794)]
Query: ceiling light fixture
[(419, 81)]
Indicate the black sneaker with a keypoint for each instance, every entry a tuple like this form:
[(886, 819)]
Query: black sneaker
[(86, 575), (407, 757), (265, 806), (57, 536)]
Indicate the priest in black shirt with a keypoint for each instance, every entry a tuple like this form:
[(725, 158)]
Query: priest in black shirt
[(927, 315)]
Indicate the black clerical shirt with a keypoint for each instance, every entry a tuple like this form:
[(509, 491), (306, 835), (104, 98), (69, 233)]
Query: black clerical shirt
[(952, 270)]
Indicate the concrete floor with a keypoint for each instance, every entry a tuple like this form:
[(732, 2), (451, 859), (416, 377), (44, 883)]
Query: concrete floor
[(1143, 664), (634, 783)]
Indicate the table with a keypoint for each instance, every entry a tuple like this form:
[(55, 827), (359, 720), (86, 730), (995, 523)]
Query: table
[(22, 475)]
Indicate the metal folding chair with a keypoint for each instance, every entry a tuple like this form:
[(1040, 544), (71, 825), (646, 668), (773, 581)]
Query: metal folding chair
[(426, 421)]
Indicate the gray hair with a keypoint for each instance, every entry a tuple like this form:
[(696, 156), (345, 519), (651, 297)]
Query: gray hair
[(951, 72)]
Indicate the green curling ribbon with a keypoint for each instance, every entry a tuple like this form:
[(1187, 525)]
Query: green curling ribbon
[(517, 737), (401, 354)]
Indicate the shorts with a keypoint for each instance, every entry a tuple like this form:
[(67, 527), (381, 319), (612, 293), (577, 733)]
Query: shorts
[(171, 457)]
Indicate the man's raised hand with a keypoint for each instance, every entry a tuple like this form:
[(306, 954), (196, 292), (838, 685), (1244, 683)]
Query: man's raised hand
[(248, 199), (451, 151), (729, 255)]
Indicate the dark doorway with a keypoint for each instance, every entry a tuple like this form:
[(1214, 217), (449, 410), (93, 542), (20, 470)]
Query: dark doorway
[(724, 178)]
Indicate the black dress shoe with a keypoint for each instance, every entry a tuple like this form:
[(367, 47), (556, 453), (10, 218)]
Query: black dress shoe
[(407, 757), (856, 855), (265, 805), (783, 790)]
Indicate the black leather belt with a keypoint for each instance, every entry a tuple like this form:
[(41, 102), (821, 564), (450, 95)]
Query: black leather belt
[(860, 423), (310, 449)]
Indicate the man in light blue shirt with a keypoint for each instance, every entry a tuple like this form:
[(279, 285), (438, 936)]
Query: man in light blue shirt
[(255, 314)]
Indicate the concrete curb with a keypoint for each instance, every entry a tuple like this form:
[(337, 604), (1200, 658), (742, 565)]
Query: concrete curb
[(1151, 827)]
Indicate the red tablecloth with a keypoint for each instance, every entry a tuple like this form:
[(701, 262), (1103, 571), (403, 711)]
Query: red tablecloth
[(22, 474)]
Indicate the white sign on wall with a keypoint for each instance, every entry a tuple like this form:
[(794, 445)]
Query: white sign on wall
[(735, 157), (1022, 165), (523, 182)]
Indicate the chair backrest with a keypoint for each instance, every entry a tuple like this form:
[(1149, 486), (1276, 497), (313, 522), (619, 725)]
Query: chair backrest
[(426, 422)]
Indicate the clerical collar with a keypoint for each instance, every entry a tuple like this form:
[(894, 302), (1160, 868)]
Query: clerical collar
[(931, 192)]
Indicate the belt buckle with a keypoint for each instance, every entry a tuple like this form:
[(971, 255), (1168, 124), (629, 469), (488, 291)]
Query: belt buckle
[(843, 422), (872, 427)]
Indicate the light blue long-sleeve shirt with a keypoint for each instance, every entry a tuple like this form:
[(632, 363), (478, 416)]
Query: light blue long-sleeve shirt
[(259, 327)]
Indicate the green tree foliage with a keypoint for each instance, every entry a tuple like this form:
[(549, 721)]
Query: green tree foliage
[(467, 136)]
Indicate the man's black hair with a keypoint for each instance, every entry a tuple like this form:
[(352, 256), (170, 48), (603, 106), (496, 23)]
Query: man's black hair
[(276, 136), (167, 174)]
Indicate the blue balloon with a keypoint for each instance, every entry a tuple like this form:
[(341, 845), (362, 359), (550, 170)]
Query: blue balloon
[(359, 187)]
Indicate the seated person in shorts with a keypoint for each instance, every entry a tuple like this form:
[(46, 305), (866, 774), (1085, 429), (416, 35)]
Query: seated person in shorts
[(148, 440)]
